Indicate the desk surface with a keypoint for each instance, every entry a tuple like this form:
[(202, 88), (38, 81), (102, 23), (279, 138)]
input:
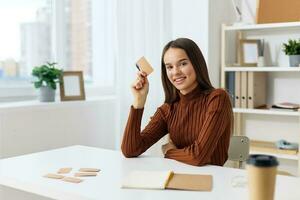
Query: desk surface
[(25, 173)]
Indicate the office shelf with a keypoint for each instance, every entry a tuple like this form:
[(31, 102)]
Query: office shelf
[(281, 26), (278, 155), (264, 147), (267, 112), (261, 69)]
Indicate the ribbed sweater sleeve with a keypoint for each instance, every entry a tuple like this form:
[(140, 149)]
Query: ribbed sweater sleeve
[(217, 118), (136, 142)]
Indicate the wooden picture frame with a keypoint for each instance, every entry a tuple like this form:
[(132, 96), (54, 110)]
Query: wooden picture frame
[(248, 50), (72, 86)]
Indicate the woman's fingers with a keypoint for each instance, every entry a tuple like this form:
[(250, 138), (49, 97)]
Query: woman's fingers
[(144, 74), (138, 84), (141, 74), (140, 80)]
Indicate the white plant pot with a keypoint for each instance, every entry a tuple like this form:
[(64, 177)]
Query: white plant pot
[(47, 94), (294, 60), (261, 61)]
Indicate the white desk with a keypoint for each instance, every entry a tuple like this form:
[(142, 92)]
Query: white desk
[(25, 173)]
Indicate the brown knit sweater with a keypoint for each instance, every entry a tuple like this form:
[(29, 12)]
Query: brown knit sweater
[(199, 125)]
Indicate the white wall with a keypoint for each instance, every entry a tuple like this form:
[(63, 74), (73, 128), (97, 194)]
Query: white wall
[(220, 12), (201, 21), (190, 19), (31, 127)]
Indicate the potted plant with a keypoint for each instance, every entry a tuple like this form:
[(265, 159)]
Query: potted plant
[(46, 78), (292, 49)]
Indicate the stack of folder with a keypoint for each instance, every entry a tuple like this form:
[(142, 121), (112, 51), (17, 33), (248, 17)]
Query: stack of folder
[(247, 89)]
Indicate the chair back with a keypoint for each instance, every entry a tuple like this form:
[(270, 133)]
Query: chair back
[(239, 149)]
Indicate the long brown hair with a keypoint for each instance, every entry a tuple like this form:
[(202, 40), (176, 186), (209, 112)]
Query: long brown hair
[(195, 56)]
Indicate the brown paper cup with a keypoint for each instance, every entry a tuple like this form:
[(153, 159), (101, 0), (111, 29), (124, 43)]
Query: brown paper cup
[(262, 171)]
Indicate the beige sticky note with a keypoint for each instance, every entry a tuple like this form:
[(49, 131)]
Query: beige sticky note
[(54, 176), (89, 170), (64, 170), (72, 179), (85, 174), (144, 65)]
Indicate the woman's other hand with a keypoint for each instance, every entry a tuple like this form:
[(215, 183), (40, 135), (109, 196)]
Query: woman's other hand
[(140, 88)]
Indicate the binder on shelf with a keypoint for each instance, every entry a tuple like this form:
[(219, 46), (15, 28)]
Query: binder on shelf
[(230, 86), (256, 89), (237, 90), (244, 90)]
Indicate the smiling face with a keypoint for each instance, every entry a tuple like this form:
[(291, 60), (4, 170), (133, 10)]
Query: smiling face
[(180, 70)]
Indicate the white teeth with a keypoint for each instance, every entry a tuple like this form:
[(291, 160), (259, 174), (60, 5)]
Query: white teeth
[(179, 79)]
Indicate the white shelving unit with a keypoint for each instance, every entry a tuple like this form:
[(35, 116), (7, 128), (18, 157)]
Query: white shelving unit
[(278, 155), (266, 112), (262, 69), (255, 27), (229, 56)]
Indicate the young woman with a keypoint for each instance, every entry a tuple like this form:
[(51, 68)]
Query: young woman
[(197, 116)]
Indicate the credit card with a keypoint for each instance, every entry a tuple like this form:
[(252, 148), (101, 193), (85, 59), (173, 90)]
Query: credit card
[(143, 65)]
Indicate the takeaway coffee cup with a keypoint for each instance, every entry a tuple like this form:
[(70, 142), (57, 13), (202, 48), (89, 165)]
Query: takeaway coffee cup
[(261, 176)]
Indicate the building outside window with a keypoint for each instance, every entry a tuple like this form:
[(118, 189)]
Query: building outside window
[(39, 31)]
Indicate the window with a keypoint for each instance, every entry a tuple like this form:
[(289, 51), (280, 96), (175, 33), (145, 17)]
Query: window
[(25, 38), (39, 31)]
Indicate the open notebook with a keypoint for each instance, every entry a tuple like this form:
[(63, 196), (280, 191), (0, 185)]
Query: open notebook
[(167, 180)]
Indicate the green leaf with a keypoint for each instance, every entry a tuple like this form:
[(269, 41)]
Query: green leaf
[(38, 84), (47, 73), (292, 47), (52, 85)]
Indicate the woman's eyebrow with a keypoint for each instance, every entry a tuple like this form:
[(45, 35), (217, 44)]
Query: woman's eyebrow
[(183, 59)]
